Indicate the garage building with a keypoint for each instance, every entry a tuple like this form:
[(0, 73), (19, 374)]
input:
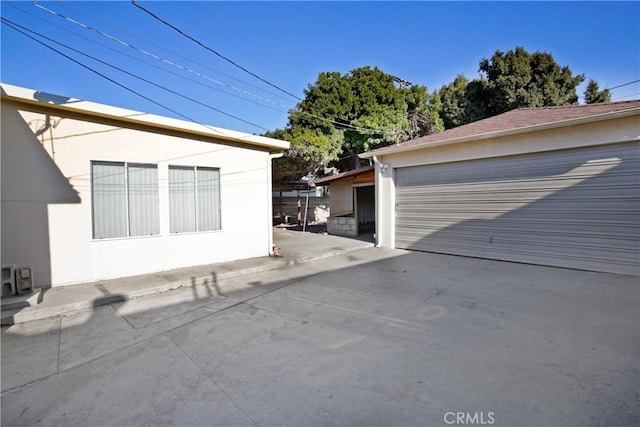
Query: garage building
[(557, 186)]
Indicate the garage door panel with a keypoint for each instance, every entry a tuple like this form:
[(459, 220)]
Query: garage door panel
[(548, 241), (492, 192), (554, 229), (470, 181), (575, 215), (585, 215), (538, 252), (579, 163), (559, 259)]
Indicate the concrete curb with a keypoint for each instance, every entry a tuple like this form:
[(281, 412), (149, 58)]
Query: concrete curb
[(26, 312)]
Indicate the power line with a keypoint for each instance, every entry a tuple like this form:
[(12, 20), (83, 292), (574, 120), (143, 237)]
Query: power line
[(627, 96), (134, 75), (622, 85), (165, 49), (211, 50), (143, 61), (10, 24), (156, 57), (346, 125)]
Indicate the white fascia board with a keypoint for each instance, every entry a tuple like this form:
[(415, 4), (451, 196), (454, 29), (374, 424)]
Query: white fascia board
[(29, 96), (501, 133)]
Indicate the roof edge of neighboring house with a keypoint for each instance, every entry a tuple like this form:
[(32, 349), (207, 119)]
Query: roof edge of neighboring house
[(47, 101), (343, 175), (505, 132)]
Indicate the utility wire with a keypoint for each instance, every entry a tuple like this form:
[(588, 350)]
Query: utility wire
[(164, 49), (346, 125), (134, 75), (11, 25), (627, 96), (212, 50), (143, 61), (156, 57), (622, 85)]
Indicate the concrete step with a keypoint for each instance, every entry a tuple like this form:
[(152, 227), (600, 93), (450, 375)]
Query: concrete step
[(16, 302)]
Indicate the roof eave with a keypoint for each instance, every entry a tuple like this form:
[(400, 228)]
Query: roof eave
[(139, 119), (343, 175), (501, 133)]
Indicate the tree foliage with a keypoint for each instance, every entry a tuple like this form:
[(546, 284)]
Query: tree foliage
[(519, 79), (309, 151), (343, 115), (508, 80), (422, 112), (352, 113), (593, 94), (463, 101)]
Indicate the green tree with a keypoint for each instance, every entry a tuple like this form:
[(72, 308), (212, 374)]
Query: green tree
[(363, 105), (593, 94), (350, 114), (519, 79), (309, 151), (508, 80), (453, 102), (422, 111), (463, 101), (477, 100)]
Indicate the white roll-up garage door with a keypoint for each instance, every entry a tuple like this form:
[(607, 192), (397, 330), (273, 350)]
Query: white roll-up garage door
[(577, 208)]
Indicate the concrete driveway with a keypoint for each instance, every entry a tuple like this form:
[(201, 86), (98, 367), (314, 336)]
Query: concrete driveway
[(371, 338)]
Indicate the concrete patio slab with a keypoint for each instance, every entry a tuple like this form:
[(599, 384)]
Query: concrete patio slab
[(369, 337)]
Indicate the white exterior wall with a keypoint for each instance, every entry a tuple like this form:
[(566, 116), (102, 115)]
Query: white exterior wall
[(582, 135), (46, 200)]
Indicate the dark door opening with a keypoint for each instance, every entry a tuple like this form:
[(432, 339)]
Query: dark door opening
[(366, 209)]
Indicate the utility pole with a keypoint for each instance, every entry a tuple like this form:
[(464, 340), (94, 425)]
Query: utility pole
[(402, 82)]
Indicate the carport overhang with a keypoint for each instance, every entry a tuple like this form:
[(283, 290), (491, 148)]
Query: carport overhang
[(360, 175)]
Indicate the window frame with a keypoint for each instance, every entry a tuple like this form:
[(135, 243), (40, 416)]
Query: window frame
[(127, 214), (196, 214)]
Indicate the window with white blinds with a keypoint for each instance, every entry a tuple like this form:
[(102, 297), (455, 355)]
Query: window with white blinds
[(125, 199), (194, 199)]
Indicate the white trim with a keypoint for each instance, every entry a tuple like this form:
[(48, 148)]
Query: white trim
[(392, 213), (270, 157), (111, 239), (182, 233)]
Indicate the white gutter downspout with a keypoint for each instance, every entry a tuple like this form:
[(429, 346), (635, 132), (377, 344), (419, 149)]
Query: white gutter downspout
[(270, 201), (377, 198)]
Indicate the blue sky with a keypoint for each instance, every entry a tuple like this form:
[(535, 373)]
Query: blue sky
[(289, 43)]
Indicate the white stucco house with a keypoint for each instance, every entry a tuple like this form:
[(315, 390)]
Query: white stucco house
[(555, 186), (93, 192)]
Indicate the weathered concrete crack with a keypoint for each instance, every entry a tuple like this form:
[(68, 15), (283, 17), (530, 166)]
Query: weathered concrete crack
[(233, 402), (59, 341)]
